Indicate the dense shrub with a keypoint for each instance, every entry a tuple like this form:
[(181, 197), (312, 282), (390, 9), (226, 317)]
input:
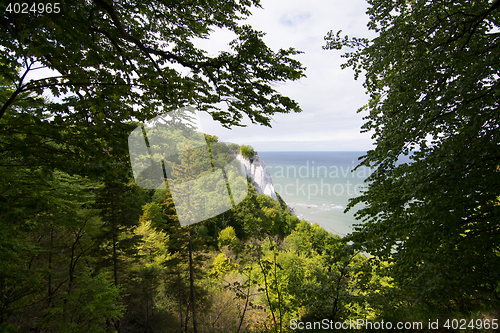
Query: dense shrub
[(247, 151)]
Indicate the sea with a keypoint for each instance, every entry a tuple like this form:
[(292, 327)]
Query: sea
[(319, 184)]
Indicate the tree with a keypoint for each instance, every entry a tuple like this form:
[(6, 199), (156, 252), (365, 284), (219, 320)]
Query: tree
[(46, 281), (113, 63), (247, 151), (432, 77), (120, 208), (227, 237), (107, 53), (144, 299)]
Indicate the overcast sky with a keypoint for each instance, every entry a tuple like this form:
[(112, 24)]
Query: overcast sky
[(328, 96)]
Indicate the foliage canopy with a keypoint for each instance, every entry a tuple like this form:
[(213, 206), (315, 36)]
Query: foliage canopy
[(432, 77), (72, 240), (142, 56), (247, 151)]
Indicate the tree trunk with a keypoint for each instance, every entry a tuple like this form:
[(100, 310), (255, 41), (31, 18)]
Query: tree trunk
[(191, 282), (113, 235)]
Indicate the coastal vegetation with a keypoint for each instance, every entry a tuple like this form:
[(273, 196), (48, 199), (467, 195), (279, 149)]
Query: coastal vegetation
[(247, 151), (432, 78), (83, 248)]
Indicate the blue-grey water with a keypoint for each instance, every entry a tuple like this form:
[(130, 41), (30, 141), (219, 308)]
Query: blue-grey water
[(318, 185)]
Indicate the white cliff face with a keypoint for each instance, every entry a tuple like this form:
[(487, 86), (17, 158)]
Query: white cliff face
[(256, 169)]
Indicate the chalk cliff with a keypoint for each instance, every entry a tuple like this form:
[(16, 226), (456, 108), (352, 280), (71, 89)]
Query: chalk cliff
[(255, 168)]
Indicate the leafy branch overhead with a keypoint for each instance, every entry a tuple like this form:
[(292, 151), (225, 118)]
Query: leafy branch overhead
[(142, 56)]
